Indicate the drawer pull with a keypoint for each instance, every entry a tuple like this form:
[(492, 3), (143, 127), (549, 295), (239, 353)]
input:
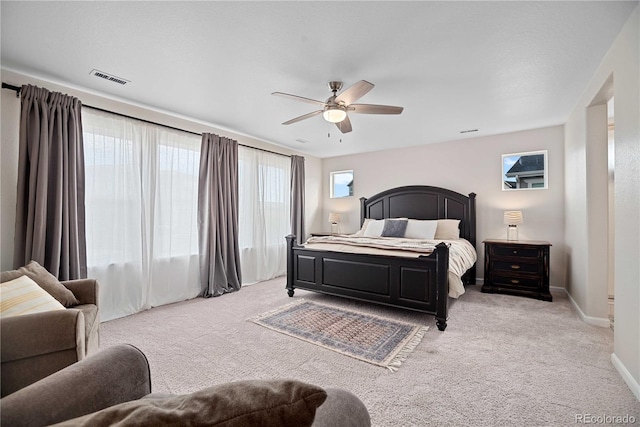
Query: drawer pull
[(515, 267), (514, 281), (515, 252)]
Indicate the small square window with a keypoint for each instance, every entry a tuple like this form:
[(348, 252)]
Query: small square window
[(341, 184)]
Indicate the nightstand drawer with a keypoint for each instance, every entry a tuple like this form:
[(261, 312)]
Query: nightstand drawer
[(515, 267), (515, 281), (514, 251)]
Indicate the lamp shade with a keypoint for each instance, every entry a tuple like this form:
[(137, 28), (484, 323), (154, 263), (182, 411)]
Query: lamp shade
[(513, 217), (334, 218)]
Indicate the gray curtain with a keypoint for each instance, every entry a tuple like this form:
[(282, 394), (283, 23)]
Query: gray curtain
[(218, 216), (50, 213), (297, 198)]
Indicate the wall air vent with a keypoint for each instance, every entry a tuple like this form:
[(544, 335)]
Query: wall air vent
[(109, 77)]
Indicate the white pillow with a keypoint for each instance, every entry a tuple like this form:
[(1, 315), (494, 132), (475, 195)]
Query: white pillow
[(448, 229), (374, 228), (24, 296), (363, 228), (421, 229)]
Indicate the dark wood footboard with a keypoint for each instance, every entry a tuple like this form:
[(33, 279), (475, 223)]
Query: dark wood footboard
[(419, 284)]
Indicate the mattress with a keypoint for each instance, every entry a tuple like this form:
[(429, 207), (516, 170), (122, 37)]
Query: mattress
[(462, 254)]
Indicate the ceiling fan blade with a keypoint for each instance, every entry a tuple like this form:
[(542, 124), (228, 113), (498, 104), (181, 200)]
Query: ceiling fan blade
[(374, 109), (298, 98), (306, 116), (345, 125), (354, 92)]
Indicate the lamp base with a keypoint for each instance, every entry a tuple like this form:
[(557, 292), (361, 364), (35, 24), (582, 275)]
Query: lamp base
[(335, 229), (512, 232)]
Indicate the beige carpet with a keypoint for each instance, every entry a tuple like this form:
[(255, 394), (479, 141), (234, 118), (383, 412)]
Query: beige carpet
[(502, 361)]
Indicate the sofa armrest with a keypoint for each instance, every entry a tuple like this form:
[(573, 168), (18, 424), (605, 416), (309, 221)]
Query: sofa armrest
[(114, 375), (39, 344), (85, 290), (41, 333)]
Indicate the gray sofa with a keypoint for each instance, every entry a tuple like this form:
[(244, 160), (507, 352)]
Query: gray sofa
[(114, 386), (37, 345)]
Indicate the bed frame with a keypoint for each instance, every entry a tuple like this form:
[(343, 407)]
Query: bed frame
[(419, 284)]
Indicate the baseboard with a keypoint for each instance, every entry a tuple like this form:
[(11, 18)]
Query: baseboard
[(626, 376), (603, 322)]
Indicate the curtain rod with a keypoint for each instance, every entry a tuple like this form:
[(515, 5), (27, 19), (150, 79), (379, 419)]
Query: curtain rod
[(18, 89)]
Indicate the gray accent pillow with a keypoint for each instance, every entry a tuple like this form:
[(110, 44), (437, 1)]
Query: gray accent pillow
[(265, 403), (394, 227), (45, 280)]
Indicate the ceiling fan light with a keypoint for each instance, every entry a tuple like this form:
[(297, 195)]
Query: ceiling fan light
[(334, 115)]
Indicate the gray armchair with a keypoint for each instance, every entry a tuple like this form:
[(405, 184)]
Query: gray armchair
[(115, 385), (36, 345)]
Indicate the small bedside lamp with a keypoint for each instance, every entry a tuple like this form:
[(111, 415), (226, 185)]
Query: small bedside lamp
[(512, 219), (334, 219)]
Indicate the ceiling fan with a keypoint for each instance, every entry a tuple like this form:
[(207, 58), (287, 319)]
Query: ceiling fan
[(335, 108)]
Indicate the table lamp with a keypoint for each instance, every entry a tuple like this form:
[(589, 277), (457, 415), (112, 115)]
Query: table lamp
[(334, 219), (512, 219)]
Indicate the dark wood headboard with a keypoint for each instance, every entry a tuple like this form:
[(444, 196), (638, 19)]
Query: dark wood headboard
[(423, 202)]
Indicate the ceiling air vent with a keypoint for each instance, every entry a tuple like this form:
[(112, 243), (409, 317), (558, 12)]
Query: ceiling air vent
[(109, 77)]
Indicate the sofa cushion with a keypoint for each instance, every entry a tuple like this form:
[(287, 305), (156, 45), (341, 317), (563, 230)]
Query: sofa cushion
[(24, 296), (45, 280), (237, 404)]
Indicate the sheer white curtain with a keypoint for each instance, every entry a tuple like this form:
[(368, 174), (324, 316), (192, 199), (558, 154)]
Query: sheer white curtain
[(264, 210), (141, 212)]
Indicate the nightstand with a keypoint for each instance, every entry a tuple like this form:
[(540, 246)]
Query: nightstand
[(517, 267)]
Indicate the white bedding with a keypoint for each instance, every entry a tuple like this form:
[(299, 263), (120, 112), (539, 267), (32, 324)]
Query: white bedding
[(462, 254)]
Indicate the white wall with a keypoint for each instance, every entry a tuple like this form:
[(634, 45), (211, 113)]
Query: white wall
[(585, 283), (9, 150), (465, 166), (10, 115)]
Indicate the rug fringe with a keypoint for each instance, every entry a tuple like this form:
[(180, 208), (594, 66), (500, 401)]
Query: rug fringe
[(402, 355)]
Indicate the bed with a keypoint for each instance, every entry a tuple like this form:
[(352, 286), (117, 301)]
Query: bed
[(418, 283)]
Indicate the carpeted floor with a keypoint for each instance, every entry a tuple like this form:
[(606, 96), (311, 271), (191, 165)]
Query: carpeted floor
[(502, 361)]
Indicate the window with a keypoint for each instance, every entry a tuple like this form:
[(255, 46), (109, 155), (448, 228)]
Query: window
[(141, 212), (264, 213), (341, 184), (141, 207), (522, 171)]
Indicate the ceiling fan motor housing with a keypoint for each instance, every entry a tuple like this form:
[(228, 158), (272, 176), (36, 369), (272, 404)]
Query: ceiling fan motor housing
[(335, 86)]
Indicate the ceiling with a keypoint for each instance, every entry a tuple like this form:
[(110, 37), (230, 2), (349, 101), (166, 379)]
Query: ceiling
[(492, 66)]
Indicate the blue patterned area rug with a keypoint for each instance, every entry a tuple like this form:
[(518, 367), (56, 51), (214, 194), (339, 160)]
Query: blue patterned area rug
[(374, 339)]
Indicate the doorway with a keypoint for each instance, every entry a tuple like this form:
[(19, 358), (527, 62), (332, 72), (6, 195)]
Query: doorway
[(600, 176), (611, 210)]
